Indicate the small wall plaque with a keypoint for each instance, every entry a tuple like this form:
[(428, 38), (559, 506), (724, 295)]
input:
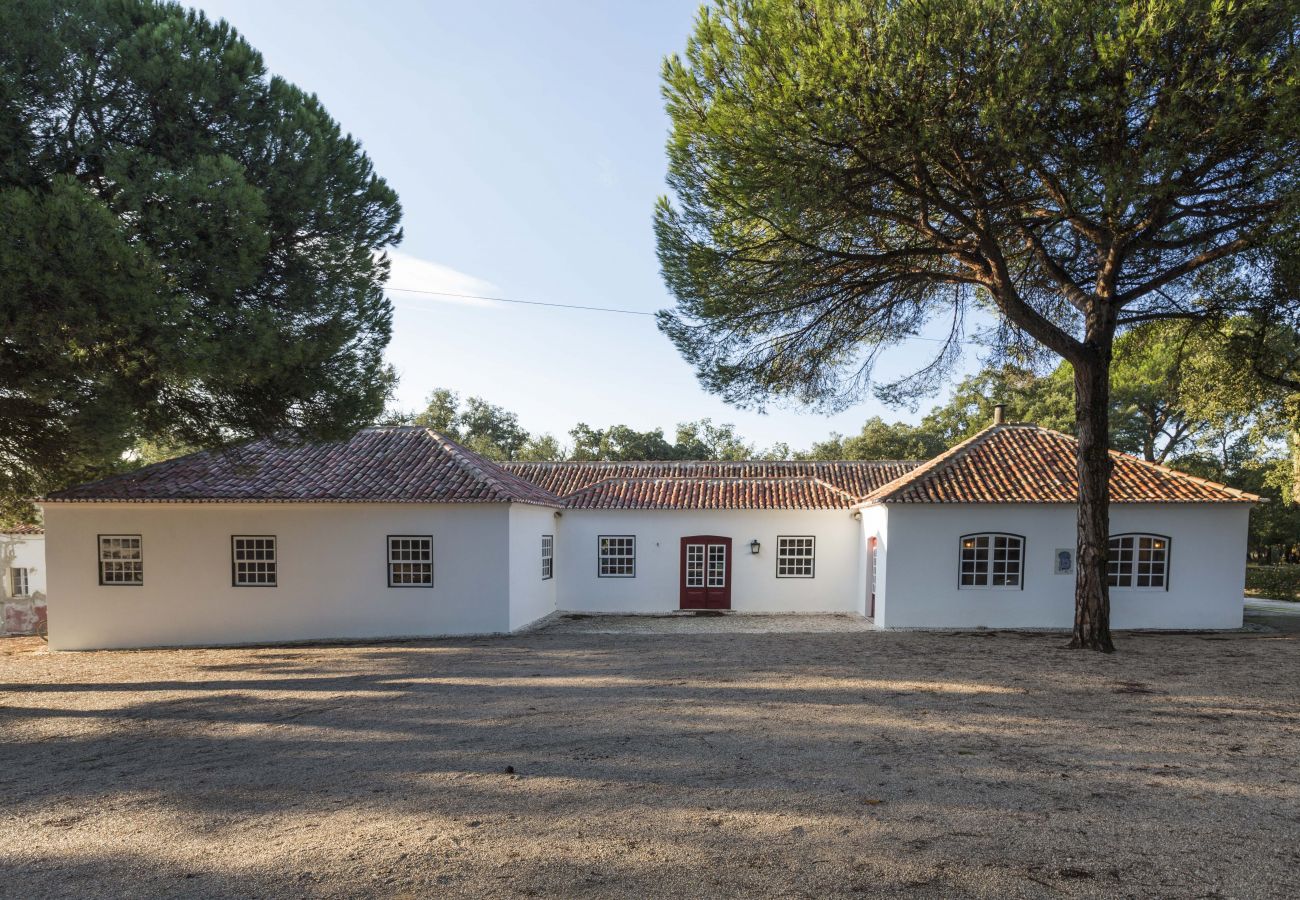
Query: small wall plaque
[(1063, 563)]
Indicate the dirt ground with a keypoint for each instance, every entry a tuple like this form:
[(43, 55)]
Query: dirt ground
[(571, 764)]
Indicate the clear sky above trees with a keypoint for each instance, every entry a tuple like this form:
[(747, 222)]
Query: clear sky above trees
[(526, 142)]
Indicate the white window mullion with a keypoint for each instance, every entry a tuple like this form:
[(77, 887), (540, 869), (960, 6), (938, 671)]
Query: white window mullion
[(991, 561), (410, 560), (796, 557), (254, 561), (616, 556), (121, 560)]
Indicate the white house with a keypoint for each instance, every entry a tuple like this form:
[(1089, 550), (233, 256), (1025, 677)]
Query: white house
[(22, 579), (402, 532)]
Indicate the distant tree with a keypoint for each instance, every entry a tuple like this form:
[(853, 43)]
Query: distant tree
[(1149, 415), (880, 440), (704, 440), (619, 442), (491, 430), (846, 170), (190, 252), (441, 413), (541, 448), (487, 429)]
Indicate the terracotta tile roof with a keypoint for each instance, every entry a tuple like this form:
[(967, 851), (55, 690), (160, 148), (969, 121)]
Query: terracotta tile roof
[(710, 493), (387, 465), (1028, 464), (857, 478), (22, 529)]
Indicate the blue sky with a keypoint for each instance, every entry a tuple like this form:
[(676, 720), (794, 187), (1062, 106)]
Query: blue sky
[(526, 143)]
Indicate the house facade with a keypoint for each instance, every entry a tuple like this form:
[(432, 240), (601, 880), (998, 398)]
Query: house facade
[(22, 579), (400, 532)]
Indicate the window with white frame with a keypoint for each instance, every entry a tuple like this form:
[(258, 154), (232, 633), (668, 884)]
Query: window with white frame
[(992, 561), (19, 586), (795, 556), (121, 559), (695, 565), (548, 556), (717, 565), (410, 560), (253, 560), (1139, 561), (617, 556)]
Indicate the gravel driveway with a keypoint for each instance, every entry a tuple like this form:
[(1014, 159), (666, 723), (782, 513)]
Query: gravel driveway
[(567, 764)]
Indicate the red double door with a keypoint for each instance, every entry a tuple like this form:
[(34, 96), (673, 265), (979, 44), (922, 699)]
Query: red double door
[(706, 572)]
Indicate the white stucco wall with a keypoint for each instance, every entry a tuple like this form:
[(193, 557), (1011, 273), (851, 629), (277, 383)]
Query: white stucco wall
[(531, 596), (875, 523), (332, 573), (1207, 568), (755, 587), (23, 551)]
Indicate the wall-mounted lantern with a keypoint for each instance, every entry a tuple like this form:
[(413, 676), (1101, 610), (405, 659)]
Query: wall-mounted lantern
[(754, 546)]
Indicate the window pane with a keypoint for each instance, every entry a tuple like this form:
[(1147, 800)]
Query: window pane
[(617, 556), (410, 561), (695, 565), (1138, 561), (795, 557), (991, 560), (717, 565), (254, 561), (121, 559)]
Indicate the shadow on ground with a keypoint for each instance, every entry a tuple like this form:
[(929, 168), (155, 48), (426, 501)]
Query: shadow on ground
[(559, 764)]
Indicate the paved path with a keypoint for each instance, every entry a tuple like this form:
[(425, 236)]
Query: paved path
[(1272, 607), (1281, 615)]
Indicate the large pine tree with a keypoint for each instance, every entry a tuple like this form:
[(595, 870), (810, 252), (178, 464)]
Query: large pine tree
[(190, 251), (845, 171)]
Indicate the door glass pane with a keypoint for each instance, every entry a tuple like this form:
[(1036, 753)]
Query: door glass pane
[(695, 565), (717, 565)]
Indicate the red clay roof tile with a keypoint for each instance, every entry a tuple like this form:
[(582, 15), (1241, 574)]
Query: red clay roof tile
[(710, 493), (377, 465), (854, 478), (1028, 464)]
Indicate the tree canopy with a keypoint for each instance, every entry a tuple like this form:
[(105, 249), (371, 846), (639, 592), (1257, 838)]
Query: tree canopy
[(190, 250), (844, 172)]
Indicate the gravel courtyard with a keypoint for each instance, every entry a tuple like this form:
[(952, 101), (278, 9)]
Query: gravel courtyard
[(568, 763)]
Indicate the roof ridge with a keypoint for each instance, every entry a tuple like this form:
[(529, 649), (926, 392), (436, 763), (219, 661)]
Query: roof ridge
[(497, 478), (952, 454), (705, 462), (834, 487)]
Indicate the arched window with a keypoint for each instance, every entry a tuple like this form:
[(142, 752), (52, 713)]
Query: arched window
[(1139, 561), (992, 561)]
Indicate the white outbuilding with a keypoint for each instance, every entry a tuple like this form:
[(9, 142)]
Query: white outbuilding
[(22, 579), (401, 532)]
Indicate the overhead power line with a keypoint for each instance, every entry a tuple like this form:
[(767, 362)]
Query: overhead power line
[(610, 309)]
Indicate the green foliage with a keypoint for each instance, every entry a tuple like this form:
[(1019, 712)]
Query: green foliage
[(495, 432), (844, 171), (619, 442), (880, 440), (487, 429), (704, 440), (1279, 582), (189, 251)]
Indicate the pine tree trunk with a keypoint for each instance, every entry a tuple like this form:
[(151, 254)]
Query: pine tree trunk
[(1092, 420), (1294, 440)]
